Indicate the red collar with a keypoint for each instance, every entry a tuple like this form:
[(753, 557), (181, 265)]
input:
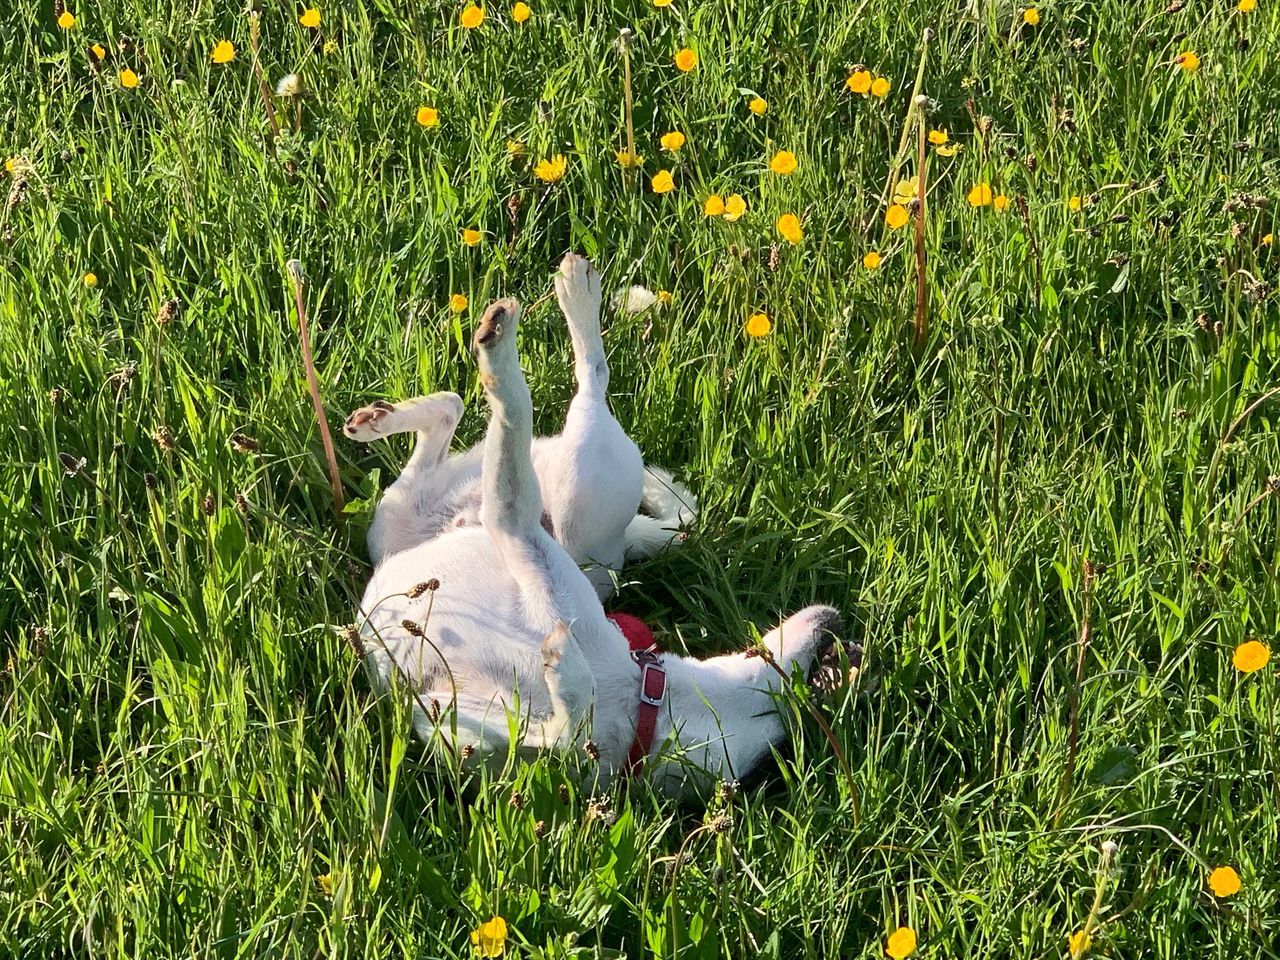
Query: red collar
[(653, 686)]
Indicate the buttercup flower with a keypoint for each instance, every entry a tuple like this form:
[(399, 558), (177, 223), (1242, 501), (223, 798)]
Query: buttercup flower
[(713, 206), (472, 17), (980, 195), (552, 170), (665, 298), (759, 325), (310, 18), (1000, 202), (627, 161), (662, 182), (859, 81), (428, 116), (98, 51), (758, 106), (789, 227), (457, 303), (521, 12), (1078, 943), (686, 60), (1074, 203), (896, 216), (662, 3), (734, 207), (1188, 61), (1247, 6), (871, 260), (1250, 656), (1224, 882), (1031, 16), (90, 279), (1268, 239), (901, 943), (490, 938), (128, 79), (938, 137), (906, 190), (224, 51), (783, 162), (880, 88), (672, 141), (950, 149), (325, 882), (66, 20), (471, 237)]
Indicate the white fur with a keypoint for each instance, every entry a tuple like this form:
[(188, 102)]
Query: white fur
[(517, 620)]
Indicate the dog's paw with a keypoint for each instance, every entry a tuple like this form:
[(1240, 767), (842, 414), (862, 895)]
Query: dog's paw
[(366, 422), (578, 286), (498, 323)]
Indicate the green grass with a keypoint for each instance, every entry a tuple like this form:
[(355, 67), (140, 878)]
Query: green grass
[(186, 744)]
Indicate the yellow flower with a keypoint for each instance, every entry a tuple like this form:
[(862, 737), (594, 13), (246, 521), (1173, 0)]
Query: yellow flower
[(91, 279), (662, 3), (310, 18), (99, 53), (1224, 882), (950, 149), (128, 79), (783, 162), (330, 47), (325, 880), (1247, 6), (1188, 61), (871, 260), (713, 206), (1250, 656), (1268, 239), (224, 51), (1078, 943), (490, 938), (67, 20), (901, 943), (789, 226), (906, 190), (734, 207), (938, 137), (1031, 16), (880, 88), (1074, 203), (471, 237), (980, 195), (627, 161), (1000, 202), (665, 298), (515, 148), (428, 117), (551, 171), (686, 59), (759, 325), (662, 182), (521, 12), (896, 216), (672, 141), (758, 106), (457, 303), (859, 81), (472, 17)]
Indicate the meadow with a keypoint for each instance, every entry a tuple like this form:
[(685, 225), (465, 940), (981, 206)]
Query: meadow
[(1022, 434)]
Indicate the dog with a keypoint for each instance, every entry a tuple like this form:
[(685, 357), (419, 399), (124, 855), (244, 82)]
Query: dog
[(492, 566)]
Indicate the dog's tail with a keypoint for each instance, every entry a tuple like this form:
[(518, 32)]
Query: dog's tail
[(666, 508)]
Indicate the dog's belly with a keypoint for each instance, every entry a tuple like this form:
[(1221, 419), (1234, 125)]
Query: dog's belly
[(449, 615)]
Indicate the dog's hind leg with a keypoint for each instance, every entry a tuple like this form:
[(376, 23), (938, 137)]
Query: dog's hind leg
[(599, 473), (403, 515)]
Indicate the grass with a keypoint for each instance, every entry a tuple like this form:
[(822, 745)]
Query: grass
[(186, 744)]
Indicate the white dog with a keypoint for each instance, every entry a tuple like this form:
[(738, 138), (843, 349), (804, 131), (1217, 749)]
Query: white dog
[(492, 565)]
